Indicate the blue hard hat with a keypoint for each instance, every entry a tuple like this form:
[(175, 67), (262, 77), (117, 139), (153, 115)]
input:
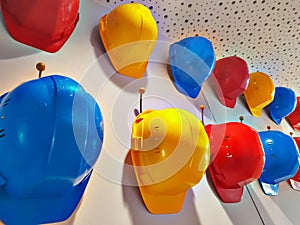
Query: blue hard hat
[(281, 162), (283, 104), (51, 133), (192, 61)]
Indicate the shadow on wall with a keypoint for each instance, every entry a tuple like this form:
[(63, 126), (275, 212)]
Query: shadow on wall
[(246, 217), (279, 209), (139, 214), (287, 201)]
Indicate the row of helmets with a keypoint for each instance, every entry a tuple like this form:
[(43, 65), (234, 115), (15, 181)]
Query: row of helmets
[(170, 149), (232, 79), (157, 141), (192, 60)]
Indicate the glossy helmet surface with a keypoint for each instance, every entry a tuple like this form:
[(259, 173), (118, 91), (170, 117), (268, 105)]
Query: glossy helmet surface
[(192, 61), (230, 79), (283, 104), (281, 160), (294, 117), (295, 180), (51, 133), (129, 34), (237, 159), (43, 24), (259, 92), (170, 154)]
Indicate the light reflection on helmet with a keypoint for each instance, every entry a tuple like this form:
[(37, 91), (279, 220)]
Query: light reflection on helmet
[(170, 154), (283, 104), (295, 180), (238, 158), (129, 34), (192, 61), (259, 93), (294, 117), (281, 160), (44, 167), (230, 79)]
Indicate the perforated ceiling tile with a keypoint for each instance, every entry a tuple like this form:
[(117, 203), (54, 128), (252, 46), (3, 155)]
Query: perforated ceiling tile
[(266, 33)]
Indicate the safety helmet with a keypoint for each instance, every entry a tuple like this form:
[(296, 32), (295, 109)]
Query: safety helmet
[(283, 104), (281, 160), (192, 61), (170, 154), (51, 134), (230, 79), (238, 158), (129, 34), (259, 92), (294, 117), (295, 180), (45, 24)]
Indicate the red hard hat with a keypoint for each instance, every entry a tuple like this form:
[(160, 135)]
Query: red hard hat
[(294, 117), (230, 78), (43, 24), (238, 158)]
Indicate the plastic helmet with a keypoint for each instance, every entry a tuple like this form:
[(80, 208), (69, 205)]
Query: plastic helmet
[(129, 33), (238, 159), (295, 180), (259, 93), (294, 117), (283, 104), (281, 160), (50, 137), (43, 24), (192, 61), (230, 79), (170, 154)]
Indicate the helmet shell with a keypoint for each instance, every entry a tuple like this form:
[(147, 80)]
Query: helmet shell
[(295, 180), (283, 104), (237, 160), (281, 160), (170, 154), (259, 92), (43, 24), (192, 61), (51, 136), (294, 117), (230, 79), (129, 34)]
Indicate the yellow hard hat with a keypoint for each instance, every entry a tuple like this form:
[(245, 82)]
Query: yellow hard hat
[(170, 154), (129, 34), (259, 93)]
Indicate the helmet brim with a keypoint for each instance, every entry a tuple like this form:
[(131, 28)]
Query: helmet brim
[(269, 189), (50, 209), (162, 204), (295, 184), (227, 195)]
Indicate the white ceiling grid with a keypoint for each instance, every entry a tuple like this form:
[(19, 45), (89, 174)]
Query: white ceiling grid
[(266, 33)]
